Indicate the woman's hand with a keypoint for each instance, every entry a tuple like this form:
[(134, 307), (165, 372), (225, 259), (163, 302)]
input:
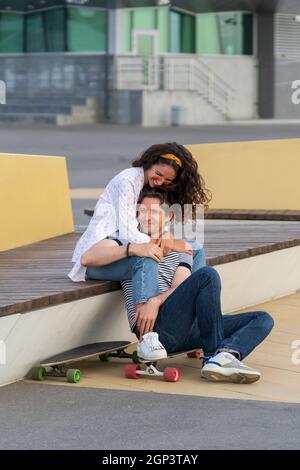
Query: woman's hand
[(146, 250)]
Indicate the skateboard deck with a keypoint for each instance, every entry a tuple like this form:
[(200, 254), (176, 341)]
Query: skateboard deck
[(58, 364), (170, 374)]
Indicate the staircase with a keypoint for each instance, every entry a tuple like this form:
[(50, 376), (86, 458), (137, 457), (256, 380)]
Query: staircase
[(52, 110), (175, 73)]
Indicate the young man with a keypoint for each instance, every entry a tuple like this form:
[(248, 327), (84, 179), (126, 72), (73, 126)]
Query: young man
[(187, 313)]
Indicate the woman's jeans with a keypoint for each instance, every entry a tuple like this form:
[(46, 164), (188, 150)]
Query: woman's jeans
[(199, 259), (191, 318), (142, 271)]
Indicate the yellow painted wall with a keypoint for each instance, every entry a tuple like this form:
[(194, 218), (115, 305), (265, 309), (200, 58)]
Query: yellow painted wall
[(261, 175), (34, 199)]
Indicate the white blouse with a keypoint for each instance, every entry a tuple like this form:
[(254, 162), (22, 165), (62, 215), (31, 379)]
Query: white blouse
[(115, 211)]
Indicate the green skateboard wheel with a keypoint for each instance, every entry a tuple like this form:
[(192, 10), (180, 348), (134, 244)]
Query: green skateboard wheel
[(73, 375), (38, 373), (135, 358), (105, 357)]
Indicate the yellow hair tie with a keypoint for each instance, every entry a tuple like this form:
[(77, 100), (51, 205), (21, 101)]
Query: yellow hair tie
[(170, 156)]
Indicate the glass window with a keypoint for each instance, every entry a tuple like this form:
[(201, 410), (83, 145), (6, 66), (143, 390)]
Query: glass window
[(11, 32), (163, 29), (35, 37), (175, 32), (45, 31), (188, 33), (55, 30), (182, 34), (72, 29), (225, 33), (86, 30), (248, 34), (230, 33), (126, 27)]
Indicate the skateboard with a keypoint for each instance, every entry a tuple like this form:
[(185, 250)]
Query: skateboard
[(57, 366), (170, 374)]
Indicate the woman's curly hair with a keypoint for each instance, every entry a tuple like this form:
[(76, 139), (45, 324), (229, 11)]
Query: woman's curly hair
[(188, 186)]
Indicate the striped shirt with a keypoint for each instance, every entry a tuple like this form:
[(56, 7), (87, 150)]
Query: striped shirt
[(166, 270)]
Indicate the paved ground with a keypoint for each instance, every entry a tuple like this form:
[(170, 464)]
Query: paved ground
[(96, 153), (52, 417)]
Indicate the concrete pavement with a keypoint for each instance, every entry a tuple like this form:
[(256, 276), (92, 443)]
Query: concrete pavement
[(51, 417)]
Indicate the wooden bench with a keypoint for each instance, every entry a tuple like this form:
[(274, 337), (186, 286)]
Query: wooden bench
[(35, 276)]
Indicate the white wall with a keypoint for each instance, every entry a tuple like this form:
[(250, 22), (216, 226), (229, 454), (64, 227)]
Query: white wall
[(29, 338), (193, 109), (241, 72)]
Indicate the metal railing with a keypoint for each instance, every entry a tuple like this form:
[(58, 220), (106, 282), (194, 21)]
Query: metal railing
[(136, 73), (173, 73)]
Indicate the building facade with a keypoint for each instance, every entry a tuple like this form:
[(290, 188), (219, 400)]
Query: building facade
[(152, 62)]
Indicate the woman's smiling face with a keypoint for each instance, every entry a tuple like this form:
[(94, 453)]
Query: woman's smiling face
[(160, 175)]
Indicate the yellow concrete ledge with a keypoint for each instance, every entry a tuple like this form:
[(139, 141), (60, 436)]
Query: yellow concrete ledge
[(34, 199), (251, 175)]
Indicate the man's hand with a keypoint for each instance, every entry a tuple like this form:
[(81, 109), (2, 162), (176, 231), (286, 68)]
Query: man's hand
[(181, 246), (146, 314), (146, 250), (165, 242)]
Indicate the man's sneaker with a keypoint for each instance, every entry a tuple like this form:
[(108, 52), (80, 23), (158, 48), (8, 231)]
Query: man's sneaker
[(150, 349), (226, 367)]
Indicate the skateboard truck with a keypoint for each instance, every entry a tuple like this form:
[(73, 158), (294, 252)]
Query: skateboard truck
[(120, 354), (134, 371), (72, 375)]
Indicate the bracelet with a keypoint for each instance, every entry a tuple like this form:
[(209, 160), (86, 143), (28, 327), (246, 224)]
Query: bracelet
[(127, 250)]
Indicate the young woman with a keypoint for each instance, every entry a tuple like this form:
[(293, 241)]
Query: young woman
[(168, 165)]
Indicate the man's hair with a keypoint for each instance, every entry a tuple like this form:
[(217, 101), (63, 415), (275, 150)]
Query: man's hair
[(161, 194)]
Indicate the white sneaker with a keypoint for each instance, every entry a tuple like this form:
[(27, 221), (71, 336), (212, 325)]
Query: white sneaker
[(150, 348), (226, 367)]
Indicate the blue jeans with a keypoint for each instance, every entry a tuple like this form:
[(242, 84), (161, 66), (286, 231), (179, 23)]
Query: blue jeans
[(199, 259), (142, 271), (191, 318)]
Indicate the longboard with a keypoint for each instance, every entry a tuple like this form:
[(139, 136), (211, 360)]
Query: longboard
[(58, 364), (170, 374)]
